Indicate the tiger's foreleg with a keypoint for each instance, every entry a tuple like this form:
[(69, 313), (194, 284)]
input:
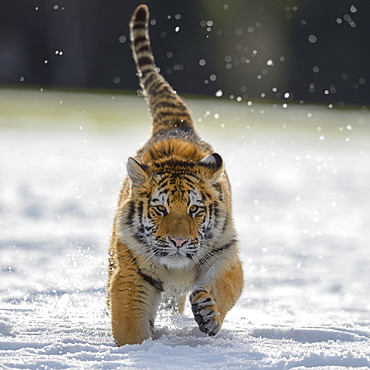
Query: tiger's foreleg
[(210, 303), (134, 300)]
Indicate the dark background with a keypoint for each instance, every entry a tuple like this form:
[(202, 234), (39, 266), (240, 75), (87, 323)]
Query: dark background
[(314, 50)]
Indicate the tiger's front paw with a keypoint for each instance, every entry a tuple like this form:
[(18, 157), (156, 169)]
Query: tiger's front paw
[(205, 312)]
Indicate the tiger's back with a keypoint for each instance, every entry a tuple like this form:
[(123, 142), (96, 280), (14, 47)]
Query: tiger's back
[(173, 228)]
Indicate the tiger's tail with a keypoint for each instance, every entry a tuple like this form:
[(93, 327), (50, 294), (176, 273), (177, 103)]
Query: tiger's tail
[(166, 107)]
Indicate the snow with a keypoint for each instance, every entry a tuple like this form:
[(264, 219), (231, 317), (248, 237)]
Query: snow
[(300, 206)]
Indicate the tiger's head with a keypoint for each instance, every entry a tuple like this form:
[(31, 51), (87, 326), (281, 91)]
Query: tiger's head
[(176, 209)]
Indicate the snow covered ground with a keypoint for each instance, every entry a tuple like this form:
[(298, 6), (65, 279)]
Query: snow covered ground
[(301, 181)]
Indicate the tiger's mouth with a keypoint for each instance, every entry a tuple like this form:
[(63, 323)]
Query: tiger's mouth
[(174, 255), (174, 252)]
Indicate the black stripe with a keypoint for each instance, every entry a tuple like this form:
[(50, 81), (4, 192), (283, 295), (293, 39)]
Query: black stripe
[(156, 85), (195, 292), (151, 324), (143, 48), (156, 284), (216, 210), (215, 251), (140, 209), (226, 246), (164, 90), (183, 115), (139, 301), (164, 179), (164, 102), (169, 104), (148, 76), (138, 40), (142, 61), (131, 213), (138, 26), (163, 191)]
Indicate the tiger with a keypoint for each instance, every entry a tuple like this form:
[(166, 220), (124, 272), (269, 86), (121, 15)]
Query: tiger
[(173, 235)]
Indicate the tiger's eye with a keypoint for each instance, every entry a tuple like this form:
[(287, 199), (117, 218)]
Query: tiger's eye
[(193, 208), (161, 208)]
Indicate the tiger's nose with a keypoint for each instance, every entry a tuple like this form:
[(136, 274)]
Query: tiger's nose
[(178, 241)]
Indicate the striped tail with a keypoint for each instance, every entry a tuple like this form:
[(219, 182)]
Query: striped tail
[(166, 107)]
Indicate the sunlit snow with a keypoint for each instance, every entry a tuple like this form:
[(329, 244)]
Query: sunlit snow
[(300, 206)]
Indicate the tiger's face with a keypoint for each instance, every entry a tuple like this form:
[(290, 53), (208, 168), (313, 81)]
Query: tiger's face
[(175, 215)]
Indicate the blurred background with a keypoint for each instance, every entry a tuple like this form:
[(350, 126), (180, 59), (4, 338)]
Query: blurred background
[(306, 50)]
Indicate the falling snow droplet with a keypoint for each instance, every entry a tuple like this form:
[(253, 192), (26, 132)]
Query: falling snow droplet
[(219, 93), (312, 39)]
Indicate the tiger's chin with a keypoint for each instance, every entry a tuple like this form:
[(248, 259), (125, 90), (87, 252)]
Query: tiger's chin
[(176, 261)]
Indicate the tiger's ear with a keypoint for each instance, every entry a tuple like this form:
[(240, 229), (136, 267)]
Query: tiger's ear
[(214, 164), (136, 172)]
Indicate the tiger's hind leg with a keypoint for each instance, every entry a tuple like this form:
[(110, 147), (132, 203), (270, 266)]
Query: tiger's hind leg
[(210, 303)]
